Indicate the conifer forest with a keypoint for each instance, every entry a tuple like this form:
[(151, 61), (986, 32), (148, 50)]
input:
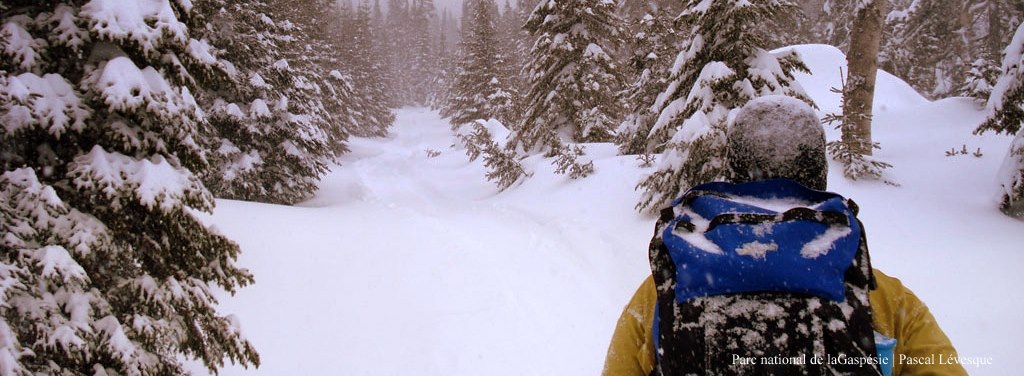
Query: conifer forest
[(126, 122)]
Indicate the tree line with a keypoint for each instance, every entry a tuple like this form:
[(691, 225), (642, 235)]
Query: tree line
[(659, 78), (122, 121)]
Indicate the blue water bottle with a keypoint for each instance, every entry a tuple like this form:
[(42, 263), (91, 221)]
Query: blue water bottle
[(885, 347)]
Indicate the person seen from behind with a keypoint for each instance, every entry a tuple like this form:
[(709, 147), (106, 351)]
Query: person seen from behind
[(773, 138)]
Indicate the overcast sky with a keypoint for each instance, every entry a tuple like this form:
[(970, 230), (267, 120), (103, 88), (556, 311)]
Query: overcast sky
[(454, 6)]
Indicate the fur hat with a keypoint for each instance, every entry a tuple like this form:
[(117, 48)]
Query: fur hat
[(777, 137)]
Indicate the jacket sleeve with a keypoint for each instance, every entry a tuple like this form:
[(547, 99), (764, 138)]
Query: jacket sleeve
[(631, 350), (922, 348)]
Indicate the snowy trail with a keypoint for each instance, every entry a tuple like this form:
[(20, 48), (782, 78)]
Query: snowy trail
[(407, 264), (411, 264)]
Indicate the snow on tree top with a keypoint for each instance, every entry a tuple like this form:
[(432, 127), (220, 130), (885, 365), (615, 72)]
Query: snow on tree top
[(200, 50), (124, 87), (67, 32), (702, 7), (155, 182), (1013, 63), (18, 43), (49, 98), (594, 50), (185, 4), (259, 108), (257, 81), (55, 260), (132, 20), (763, 67)]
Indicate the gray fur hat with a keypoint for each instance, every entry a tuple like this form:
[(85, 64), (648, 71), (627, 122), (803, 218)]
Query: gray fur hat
[(777, 137)]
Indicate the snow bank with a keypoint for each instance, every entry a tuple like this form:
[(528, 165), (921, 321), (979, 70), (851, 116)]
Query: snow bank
[(826, 62), (409, 262)]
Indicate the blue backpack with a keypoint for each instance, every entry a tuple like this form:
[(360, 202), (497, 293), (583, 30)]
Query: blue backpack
[(762, 278)]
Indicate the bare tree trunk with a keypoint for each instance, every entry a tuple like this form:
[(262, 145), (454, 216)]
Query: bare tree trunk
[(966, 21), (862, 61)]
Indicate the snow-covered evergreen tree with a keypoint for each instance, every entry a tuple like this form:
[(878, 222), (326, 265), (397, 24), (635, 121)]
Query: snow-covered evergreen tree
[(1006, 115), (980, 79), (263, 148), (480, 91), (364, 62), (573, 77), (422, 65), (105, 266), (396, 26), (322, 87), (928, 47), (838, 21), (638, 8), (514, 42), (382, 44), (990, 28), (444, 79), (722, 66), (653, 46)]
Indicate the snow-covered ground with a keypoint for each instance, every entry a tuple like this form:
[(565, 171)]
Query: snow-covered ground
[(407, 263)]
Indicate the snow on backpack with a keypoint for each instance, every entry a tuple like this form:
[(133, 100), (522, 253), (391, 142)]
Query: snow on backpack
[(762, 278)]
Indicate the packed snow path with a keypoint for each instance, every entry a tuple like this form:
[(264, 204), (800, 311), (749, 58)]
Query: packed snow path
[(407, 262)]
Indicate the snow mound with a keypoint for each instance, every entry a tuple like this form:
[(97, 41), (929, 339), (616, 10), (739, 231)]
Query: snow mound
[(546, 266), (826, 62)]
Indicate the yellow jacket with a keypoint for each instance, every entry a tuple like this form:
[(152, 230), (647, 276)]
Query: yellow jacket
[(896, 312)]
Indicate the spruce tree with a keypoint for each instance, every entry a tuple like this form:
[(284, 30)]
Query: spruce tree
[(265, 149), (721, 67), (1006, 115), (444, 79), (480, 91), (382, 51), (513, 39), (372, 117), (400, 52), (980, 79), (993, 21), (422, 64), (573, 80), (927, 47), (105, 266), (638, 8), (653, 45), (838, 21)]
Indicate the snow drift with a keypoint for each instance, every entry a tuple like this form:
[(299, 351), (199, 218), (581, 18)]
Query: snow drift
[(409, 262)]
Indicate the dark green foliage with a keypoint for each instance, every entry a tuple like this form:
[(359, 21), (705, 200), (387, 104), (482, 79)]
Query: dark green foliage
[(266, 131), (572, 75), (980, 79), (422, 63), (364, 63), (107, 268), (482, 89), (503, 167), (653, 46), (1006, 115), (722, 65)]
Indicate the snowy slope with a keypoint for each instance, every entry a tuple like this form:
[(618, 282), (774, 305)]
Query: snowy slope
[(406, 264)]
